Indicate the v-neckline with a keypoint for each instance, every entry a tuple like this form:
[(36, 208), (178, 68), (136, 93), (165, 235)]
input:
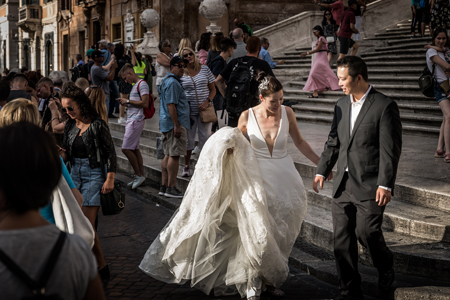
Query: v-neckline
[(260, 132)]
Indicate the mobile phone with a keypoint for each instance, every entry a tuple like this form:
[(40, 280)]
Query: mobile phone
[(51, 92)]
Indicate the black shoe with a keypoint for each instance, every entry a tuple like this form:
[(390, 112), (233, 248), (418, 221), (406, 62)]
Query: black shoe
[(386, 279), (173, 193), (104, 274), (111, 116), (162, 190), (350, 296)]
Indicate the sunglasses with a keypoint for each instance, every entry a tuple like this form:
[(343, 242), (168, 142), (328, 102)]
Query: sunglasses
[(327, 14), (181, 66), (66, 109), (188, 54)]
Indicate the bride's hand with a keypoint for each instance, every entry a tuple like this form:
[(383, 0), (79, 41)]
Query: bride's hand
[(230, 151), (330, 176)]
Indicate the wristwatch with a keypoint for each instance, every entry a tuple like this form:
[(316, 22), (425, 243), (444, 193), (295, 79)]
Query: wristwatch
[(209, 100), (128, 101)]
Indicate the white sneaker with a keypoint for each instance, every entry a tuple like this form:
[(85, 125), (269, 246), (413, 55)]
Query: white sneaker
[(185, 171), (122, 121), (138, 181), (196, 150)]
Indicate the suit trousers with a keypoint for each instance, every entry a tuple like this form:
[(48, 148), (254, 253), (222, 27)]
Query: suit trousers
[(355, 220)]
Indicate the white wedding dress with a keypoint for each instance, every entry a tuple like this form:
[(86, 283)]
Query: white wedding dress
[(239, 218)]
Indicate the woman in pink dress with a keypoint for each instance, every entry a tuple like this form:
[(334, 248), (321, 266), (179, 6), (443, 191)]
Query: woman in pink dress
[(321, 77)]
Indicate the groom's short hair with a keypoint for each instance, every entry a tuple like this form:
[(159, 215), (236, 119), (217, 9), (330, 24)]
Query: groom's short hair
[(355, 65)]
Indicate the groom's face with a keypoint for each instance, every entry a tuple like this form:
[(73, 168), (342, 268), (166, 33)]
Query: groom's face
[(346, 82)]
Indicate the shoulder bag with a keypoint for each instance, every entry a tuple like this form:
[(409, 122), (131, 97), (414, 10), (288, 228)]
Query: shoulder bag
[(209, 114), (113, 202), (68, 215), (426, 81)]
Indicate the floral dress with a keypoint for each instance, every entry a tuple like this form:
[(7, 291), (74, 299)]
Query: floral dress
[(330, 30), (440, 16)]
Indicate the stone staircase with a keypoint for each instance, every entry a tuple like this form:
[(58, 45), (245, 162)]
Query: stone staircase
[(395, 62), (416, 225)]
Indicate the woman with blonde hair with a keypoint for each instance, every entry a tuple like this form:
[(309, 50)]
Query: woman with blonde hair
[(19, 110), (198, 84), (98, 101), (214, 50), (184, 43)]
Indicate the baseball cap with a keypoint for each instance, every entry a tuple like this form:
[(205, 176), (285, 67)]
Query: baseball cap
[(177, 60), (89, 52), (96, 54)]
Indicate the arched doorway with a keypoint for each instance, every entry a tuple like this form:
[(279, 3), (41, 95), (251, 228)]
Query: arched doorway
[(26, 55)]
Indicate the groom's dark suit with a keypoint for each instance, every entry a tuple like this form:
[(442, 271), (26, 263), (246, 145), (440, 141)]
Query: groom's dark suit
[(370, 153)]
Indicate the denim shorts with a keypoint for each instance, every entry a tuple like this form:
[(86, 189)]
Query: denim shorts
[(439, 92), (88, 181)]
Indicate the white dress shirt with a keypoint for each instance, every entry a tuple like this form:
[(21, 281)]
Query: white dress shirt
[(354, 112)]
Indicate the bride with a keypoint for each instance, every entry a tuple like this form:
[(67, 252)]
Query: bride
[(243, 208)]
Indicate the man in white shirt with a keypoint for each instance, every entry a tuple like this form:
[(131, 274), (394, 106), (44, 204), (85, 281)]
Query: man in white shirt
[(365, 140)]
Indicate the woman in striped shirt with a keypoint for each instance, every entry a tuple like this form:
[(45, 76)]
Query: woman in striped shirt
[(198, 84)]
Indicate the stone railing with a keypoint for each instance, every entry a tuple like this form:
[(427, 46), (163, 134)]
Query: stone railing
[(296, 31)]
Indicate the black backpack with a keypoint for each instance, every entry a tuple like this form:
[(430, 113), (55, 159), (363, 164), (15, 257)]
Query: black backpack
[(426, 81), (37, 288), (238, 95)]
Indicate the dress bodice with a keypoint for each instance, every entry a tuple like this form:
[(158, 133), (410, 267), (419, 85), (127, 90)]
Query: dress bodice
[(325, 43), (258, 142)]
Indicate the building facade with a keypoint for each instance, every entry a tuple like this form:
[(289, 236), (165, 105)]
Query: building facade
[(9, 35)]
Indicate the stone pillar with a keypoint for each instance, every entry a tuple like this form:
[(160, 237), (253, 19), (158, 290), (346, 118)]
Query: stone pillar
[(150, 19), (212, 10)]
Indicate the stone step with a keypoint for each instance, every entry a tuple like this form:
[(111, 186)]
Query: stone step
[(303, 49), (381, 87), (409, 57), (410, 124), (399, 71), (421, 41), (404, 45), (400, 52), (316, 261), (377, 79), (412, 254), (421, 192), (296, 63), (401, 37)]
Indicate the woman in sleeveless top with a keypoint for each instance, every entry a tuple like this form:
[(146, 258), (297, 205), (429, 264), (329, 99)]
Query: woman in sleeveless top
[(163, 61), (242, 210), (321, 77)]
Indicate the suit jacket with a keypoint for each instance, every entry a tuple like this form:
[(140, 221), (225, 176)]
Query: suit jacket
[(371, 151)]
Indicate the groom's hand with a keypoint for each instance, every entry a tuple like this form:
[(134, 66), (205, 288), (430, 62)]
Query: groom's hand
[(318, 179), (383, 196)]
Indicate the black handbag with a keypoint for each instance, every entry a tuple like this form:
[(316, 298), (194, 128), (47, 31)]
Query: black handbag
[(426, 82), (113, 202)]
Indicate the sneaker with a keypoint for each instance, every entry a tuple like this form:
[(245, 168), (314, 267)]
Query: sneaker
[(185, 171), (173, 193), (162, 190), (122, 121), (196, 150), (132, 181), (138, 181)]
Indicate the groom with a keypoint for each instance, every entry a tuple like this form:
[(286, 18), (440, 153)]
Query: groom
[(365, 140)]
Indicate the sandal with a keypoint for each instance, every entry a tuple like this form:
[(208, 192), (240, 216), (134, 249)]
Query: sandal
[(274, 292), (447, 158), (312, 96), (439, 154)]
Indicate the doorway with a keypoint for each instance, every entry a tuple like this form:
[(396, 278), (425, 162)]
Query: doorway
[(65, 53), (97, 34)]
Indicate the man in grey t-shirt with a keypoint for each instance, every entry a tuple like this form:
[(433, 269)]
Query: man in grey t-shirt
[(99, 76)]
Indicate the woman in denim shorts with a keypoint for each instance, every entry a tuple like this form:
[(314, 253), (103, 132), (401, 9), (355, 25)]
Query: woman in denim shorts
[(437, 58), (82, 133)]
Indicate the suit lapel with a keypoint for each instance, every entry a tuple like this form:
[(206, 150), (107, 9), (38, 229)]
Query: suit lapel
[(346, 120), (364, 109)]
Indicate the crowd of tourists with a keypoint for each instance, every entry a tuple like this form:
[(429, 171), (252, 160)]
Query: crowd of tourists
[(257, 194)]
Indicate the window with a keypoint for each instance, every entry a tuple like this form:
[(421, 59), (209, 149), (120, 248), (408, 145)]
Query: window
[(66, 4), (30, 2), (117, 32)]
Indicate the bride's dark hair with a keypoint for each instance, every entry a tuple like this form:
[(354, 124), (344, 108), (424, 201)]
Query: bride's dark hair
[(268, 84)]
